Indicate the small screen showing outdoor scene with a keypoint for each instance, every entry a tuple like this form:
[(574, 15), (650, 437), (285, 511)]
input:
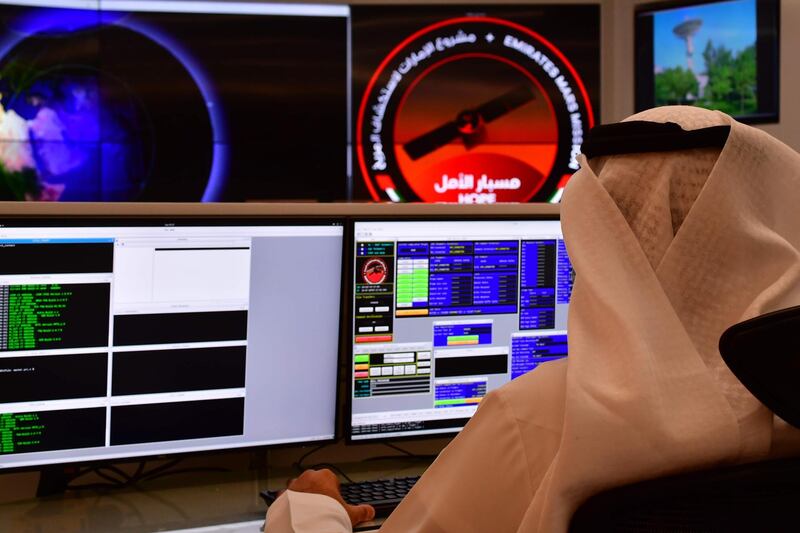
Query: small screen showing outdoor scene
[(717, 55), (707, 55)]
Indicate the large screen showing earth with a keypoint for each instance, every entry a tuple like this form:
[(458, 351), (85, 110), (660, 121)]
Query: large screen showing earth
[(173, 106)]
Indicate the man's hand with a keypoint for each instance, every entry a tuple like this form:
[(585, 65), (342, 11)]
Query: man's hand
[(325, 482)]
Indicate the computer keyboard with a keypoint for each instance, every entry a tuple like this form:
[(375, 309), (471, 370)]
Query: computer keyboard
[(383, 494)]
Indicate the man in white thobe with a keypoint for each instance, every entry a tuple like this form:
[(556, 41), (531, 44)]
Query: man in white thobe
[(669, 250)]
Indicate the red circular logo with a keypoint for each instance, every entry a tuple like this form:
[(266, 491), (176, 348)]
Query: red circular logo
[(472, 110), (374, 271)]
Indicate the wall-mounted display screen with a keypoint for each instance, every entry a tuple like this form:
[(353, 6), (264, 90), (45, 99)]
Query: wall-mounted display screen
[(715, 54), (472, 104), (119, 100), (210, 100)]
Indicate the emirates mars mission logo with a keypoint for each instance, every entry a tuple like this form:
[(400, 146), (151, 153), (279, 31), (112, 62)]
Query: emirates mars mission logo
[(374, 271), (472, 110)]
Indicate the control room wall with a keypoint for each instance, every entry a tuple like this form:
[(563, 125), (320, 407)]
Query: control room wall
[(617, 46)]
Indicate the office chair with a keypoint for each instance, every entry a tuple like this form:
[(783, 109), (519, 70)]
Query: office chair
[(764, 354)]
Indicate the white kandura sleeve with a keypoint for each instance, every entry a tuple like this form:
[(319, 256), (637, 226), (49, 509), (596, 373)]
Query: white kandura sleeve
[(302, 512)]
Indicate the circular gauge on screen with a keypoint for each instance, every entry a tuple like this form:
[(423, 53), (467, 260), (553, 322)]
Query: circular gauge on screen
[(472, 110), (374, 271)]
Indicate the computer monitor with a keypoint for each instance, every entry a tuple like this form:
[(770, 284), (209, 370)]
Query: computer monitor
[(717, 54), (444, 311), (124, 338)]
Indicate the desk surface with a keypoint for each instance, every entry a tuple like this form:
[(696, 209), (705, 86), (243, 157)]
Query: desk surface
[(213, 501), (241, 527)]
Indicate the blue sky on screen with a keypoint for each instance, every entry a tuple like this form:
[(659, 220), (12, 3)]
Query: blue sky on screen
[(731, 23)]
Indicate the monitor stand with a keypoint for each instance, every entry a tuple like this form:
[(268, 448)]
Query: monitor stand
[(53, 480)]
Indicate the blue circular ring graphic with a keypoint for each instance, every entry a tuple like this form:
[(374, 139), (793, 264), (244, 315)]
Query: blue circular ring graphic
[(69, 20)]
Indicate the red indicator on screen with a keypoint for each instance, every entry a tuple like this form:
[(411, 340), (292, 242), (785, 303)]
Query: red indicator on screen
[(374, 338)]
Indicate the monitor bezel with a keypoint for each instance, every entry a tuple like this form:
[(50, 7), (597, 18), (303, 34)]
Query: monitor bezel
[(348, 310), (644, 97), (190, 218)]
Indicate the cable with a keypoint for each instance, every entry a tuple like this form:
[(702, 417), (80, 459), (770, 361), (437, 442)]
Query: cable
[(399, 449), (99, 473), (139, 469), (113, 482), (125, 477), (335, 468), (139, 476), (93, 486), (298, 465), (161, 468), (423, 458), (188, 470), (405, 455)]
